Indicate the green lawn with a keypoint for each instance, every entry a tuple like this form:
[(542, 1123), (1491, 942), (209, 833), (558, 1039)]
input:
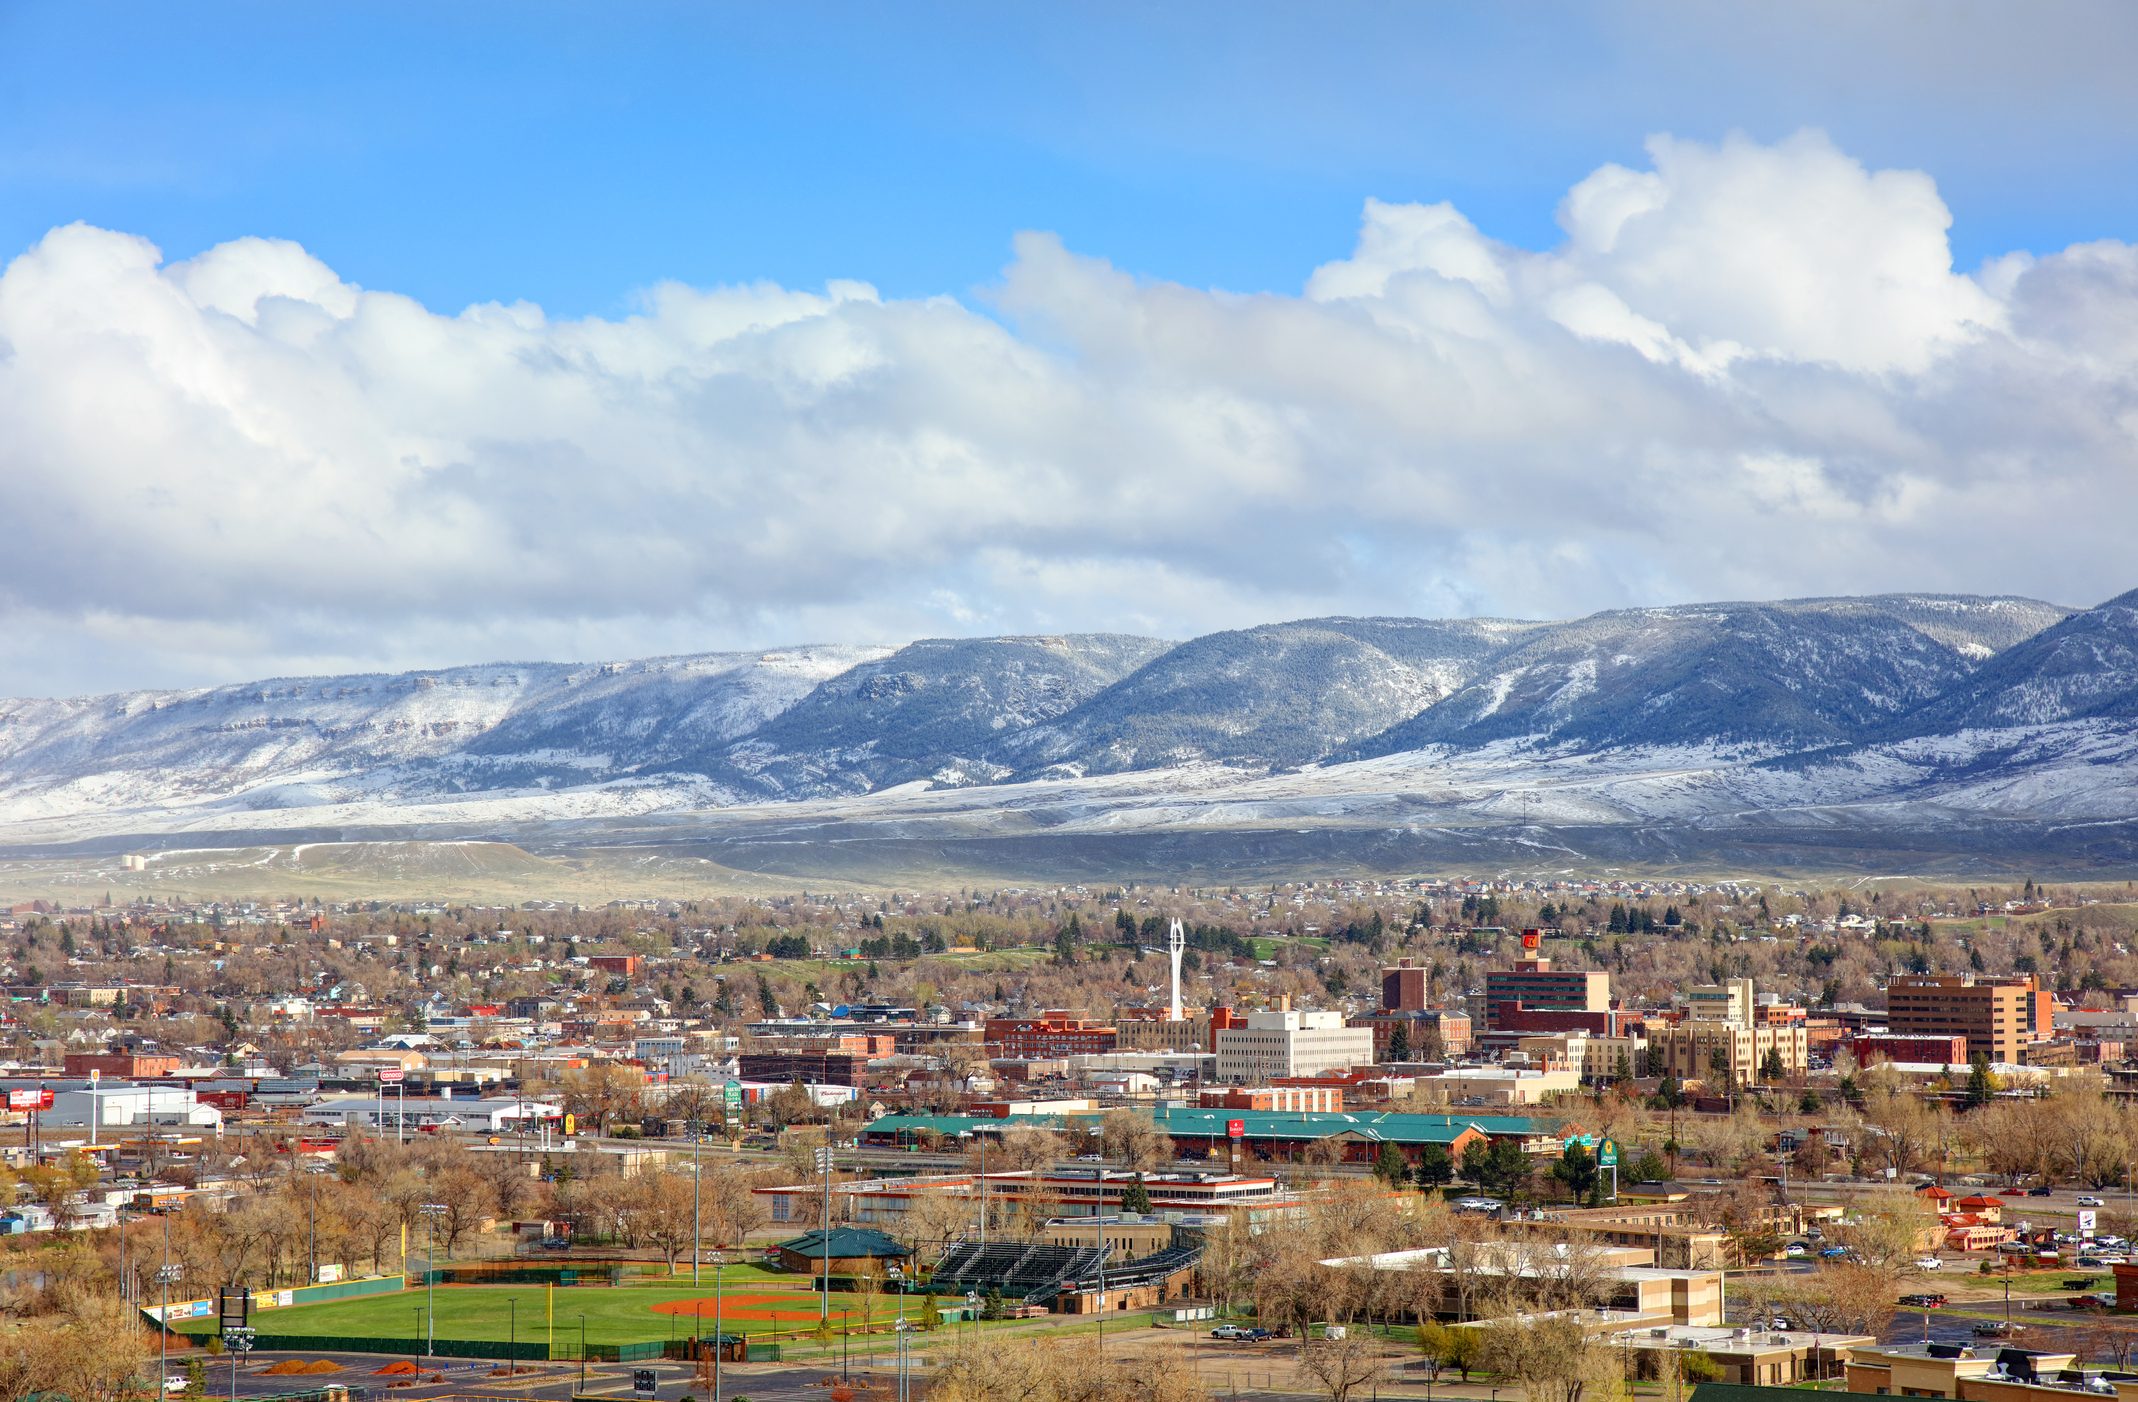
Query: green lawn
[(614, 1314)]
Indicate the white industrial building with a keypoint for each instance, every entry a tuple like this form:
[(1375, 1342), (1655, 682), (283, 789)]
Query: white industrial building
[(496, 1114), (1290, 1043), (121, 1107)]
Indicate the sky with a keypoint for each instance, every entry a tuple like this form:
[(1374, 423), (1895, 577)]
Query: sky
[(366, 337)]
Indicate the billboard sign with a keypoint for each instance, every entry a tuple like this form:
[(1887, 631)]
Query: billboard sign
[(389, 1075), (731, 1094), (29, 1100), (1607, 1153), (2087, 1219), (1235, 1129)]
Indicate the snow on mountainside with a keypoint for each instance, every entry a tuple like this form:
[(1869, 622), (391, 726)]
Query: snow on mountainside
[(1278, 695), (295, 742), (1784, 676), (2086, 666), (932, 711), (1904, 710)]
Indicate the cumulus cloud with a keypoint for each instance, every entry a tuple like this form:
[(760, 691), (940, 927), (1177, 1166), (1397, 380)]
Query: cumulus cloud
[(1747, 371)]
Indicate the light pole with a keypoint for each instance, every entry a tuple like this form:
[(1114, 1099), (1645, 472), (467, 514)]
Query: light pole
[(824, 1296), (900, 1328), (719, 1338), (165, 1275), (1100, 1224), (697, 1221), (238, 1339), (431, 1211), (582, 1353), (512, 1336)]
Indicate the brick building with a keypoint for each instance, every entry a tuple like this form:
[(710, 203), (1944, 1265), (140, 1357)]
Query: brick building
[(1999, 1017)]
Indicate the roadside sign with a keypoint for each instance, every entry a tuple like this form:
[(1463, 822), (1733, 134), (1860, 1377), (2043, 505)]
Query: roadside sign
[(389, 1075), (731, 1094), (642, 1383), (2087, 1219), (571, 1124), (1607, 1153), (29, 1100), (1235, 1129)]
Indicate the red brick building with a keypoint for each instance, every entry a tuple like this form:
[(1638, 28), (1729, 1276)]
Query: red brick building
[(1049, 1034), (126, 1066)]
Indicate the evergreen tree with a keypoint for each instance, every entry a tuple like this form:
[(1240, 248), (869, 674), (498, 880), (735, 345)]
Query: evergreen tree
[(1135, 1197), (1399, 1042), (1436, 1167), (1578, 1173), (1391, 1167)]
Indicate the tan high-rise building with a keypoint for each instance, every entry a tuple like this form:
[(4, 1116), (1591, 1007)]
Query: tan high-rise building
[(1997, 1016)]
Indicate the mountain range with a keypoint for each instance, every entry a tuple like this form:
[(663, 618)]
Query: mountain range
[(1916, 713)]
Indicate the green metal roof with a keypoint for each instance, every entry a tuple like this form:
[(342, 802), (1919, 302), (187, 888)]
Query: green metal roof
[(845, 1243)]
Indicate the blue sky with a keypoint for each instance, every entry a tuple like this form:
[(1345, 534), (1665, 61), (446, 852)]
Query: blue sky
[(340, 337), (569, 154)]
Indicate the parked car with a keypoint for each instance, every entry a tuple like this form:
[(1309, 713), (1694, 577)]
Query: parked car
[(1228, 1331), (1796, 1251), (174, 1383), (1833, 1253), (1258, 1336), (1929, 1263), (1995, 1328), (2089, 1200), (555, 1243), (1924, 1300)]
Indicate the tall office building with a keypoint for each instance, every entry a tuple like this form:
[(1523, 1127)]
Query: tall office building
[(1997, 1016), (1533, 985)]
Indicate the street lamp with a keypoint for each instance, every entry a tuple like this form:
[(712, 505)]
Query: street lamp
[(431, 1211), (582, 1353), (512, 1335)]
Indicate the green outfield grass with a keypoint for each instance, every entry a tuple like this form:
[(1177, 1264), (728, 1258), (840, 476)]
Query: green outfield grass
[(621, 1314)]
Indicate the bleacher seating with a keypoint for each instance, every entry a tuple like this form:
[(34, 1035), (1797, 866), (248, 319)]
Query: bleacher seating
[(1035, 1273)]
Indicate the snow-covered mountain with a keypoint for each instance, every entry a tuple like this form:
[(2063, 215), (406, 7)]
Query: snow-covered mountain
[(1830, 716), (1784, 676), (1271, 697)]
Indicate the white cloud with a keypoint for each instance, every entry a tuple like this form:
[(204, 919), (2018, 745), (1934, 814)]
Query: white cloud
[(1748, 371)]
